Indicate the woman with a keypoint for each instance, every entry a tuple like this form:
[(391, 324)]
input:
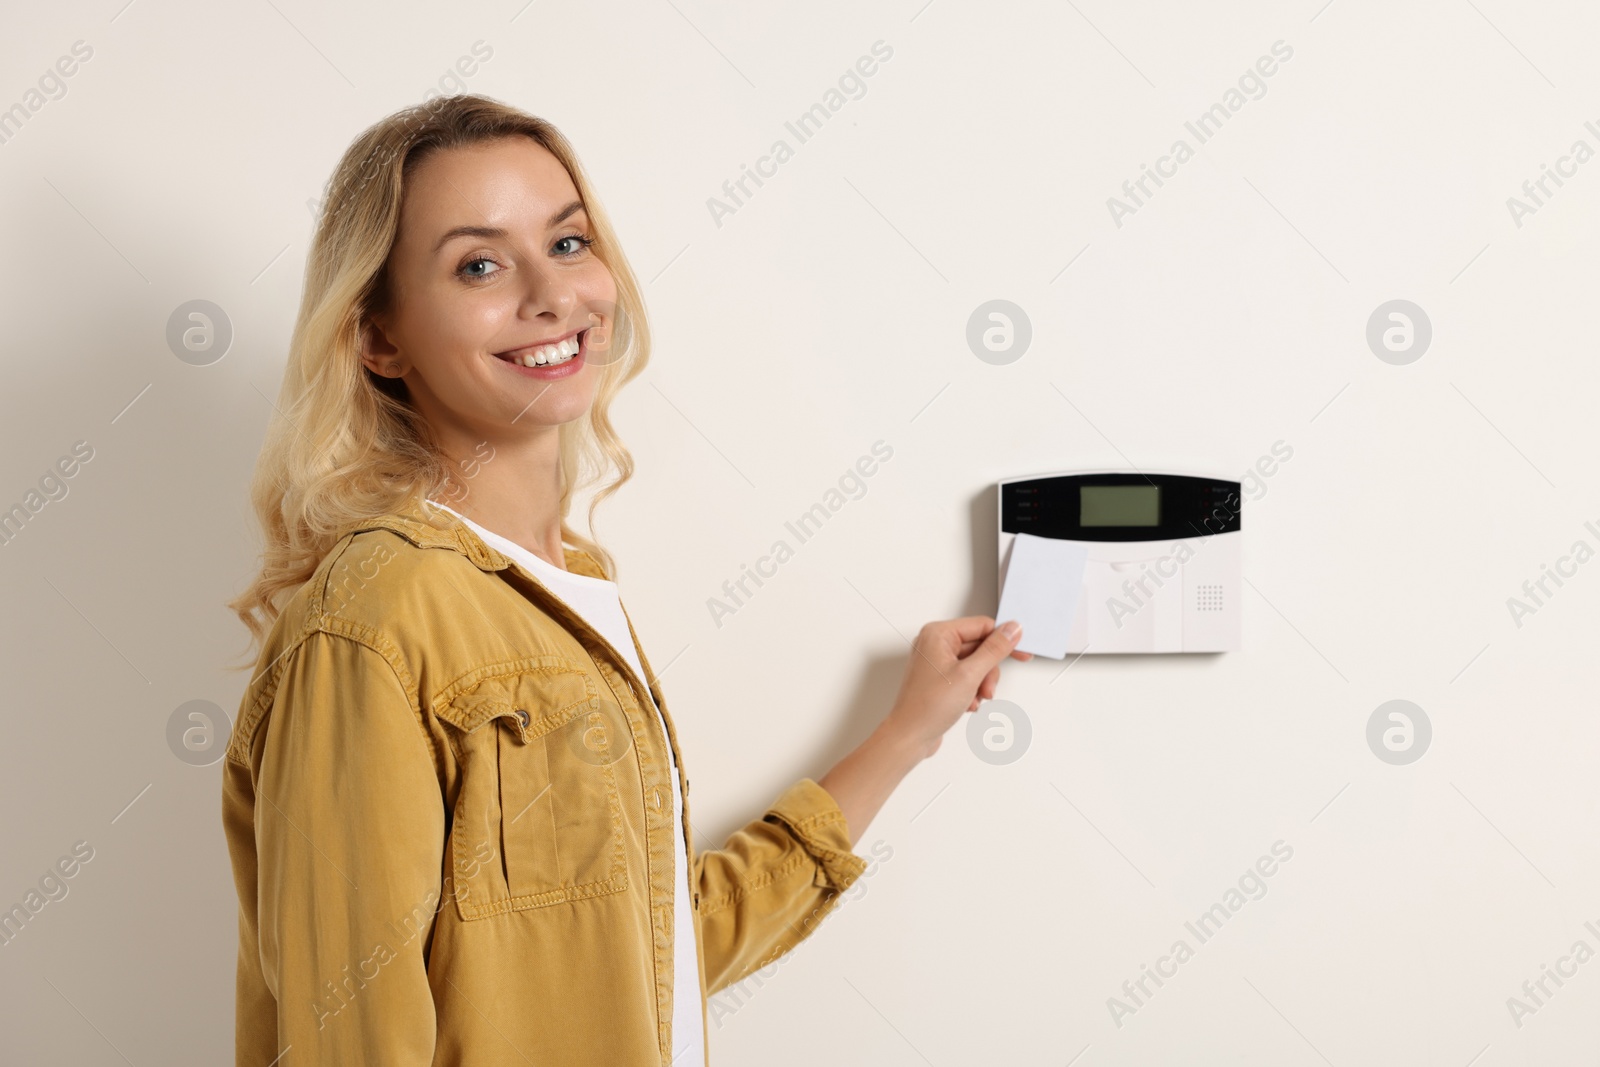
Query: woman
[(453, 798)]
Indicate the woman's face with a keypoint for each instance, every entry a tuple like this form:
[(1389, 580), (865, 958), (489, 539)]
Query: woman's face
[(491, 262)]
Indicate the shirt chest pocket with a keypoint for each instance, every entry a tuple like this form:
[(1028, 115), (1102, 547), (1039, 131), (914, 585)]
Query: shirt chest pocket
[(538, 820)]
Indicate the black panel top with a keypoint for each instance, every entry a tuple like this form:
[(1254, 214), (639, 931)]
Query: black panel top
[(1120, 507)]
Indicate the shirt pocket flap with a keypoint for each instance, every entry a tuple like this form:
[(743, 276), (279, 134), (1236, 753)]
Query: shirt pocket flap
[(537, 697)]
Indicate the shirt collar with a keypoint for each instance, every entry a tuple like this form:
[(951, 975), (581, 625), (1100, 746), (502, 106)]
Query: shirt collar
[(434, 527)]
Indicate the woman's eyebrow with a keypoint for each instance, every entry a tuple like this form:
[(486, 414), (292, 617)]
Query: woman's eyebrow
[(495, 232)]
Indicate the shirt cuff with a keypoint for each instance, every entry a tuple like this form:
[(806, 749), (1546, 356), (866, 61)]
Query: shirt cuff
[(814, 818)]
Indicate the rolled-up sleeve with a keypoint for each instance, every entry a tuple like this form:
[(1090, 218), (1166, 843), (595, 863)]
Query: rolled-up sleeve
[(774, 880), (348, 828)]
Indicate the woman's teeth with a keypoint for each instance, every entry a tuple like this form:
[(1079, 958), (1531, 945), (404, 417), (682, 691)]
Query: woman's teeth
[(548, 354)]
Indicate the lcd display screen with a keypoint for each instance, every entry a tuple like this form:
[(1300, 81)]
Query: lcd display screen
[(1119, 505)]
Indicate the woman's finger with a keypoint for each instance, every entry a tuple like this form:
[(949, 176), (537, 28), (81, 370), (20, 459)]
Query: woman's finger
[(971, 627), (967, 647)]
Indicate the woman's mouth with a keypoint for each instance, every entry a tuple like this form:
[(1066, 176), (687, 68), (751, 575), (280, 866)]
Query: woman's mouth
[(548, 361)]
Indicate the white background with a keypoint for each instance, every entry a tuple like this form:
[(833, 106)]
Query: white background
[(830, 311)]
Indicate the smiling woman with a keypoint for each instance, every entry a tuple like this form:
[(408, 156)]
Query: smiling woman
[(453, 764), (424, 271)]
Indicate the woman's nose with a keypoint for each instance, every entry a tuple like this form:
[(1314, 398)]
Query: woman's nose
[(547, 291)]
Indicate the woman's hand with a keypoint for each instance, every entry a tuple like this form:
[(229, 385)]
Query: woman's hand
[(954, 666)]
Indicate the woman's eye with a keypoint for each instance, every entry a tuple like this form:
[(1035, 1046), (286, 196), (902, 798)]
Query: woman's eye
[(579, 240), (467, 267)]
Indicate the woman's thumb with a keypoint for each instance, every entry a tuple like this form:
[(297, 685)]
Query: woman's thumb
[(996, 647)]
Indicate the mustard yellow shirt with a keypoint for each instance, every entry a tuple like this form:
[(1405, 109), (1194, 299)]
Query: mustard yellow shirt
[(447, 806)]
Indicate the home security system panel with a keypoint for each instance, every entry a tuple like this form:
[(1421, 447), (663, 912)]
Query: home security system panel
[(1121, 561)]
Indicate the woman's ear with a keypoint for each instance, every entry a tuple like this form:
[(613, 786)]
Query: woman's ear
[(378, 353)]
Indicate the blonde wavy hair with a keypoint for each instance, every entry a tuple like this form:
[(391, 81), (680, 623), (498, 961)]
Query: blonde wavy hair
[(345, 444)]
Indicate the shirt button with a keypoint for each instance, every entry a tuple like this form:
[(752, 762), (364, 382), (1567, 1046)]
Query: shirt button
[(522, 716)]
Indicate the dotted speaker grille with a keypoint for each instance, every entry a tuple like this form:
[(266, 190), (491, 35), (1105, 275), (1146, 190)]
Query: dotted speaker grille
[(1208, 597)]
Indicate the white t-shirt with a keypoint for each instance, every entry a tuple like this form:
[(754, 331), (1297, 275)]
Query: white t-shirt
[(597, 600)]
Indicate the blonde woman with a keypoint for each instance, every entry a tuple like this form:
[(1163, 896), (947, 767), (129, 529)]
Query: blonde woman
[(453, 797)]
